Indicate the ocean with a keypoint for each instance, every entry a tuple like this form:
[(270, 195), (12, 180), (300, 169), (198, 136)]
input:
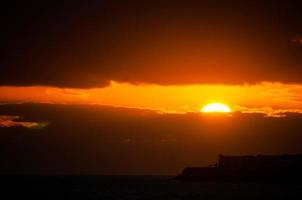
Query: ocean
[(139, 187)]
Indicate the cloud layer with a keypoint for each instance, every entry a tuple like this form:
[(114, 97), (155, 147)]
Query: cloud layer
[(87, 44), (104, 140)]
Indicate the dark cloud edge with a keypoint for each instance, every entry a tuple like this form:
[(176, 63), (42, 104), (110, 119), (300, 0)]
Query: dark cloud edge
[(5, 110)]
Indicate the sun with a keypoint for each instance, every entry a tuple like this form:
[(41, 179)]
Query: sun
[(215, 108)]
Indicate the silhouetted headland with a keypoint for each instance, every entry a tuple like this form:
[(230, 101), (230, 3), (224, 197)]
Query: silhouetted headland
[(262, 168)]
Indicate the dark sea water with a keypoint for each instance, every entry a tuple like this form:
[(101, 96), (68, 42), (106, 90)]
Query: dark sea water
[(139, 187)]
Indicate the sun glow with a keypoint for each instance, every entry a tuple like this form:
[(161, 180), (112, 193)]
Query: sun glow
[(271, 99), (216, 107)]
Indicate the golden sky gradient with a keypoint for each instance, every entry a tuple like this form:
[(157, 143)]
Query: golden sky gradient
[(271, 98)]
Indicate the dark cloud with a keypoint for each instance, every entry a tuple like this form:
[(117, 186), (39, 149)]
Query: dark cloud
[(86, 44), (104, 140)]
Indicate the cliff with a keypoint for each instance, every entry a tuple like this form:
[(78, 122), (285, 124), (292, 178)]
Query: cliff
[(248, 168)]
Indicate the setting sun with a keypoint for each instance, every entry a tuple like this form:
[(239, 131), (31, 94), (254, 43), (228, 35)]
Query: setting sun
[(216, 107)]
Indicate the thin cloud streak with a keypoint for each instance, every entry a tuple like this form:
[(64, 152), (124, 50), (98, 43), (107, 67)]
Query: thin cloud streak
[(268, 111), (13, 121)]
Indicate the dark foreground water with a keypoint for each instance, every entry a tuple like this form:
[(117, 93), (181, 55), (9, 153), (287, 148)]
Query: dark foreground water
[(138, 187)]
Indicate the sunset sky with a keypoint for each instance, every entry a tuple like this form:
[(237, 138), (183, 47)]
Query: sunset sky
[(97, 86)]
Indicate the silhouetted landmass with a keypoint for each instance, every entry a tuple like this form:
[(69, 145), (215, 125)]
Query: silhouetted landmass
[(263, 168)]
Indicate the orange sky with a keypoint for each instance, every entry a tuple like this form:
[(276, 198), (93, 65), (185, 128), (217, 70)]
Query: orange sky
[(267, 97)]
